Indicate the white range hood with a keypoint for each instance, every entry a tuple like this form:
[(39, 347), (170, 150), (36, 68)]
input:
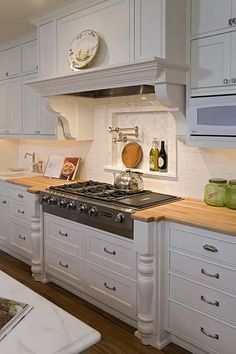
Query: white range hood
[(167, 79)]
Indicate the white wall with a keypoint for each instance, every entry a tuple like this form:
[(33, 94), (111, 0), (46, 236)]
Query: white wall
[(8, 154), (194, 166)]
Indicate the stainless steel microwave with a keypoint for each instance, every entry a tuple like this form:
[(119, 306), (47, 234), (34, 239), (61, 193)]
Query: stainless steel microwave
[(212, 116)]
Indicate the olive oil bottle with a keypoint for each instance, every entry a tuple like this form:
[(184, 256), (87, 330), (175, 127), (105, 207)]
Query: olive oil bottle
[(153, 156)]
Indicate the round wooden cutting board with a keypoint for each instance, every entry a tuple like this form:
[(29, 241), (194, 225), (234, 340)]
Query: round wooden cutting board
[(132, 155)]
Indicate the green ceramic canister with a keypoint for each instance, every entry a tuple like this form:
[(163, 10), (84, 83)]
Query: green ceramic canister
[(230, 194)]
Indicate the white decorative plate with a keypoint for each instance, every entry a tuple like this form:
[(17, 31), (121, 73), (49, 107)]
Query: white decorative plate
[(83, 49)]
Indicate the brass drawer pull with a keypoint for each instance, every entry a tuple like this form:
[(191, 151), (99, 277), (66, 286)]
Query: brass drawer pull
[(209, 274), (63, 265), (20, 211), (214, 336), (20, 196), (21, 237), (210, 248), (110, 288), (215, 303), (63, 234), (110, 252)]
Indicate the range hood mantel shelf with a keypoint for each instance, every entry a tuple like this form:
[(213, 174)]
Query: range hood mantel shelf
[(149, 72)]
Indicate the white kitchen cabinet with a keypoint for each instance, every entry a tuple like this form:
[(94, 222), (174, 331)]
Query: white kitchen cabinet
[(30, 57), (100, 264), (11, 62), (11, 107), (4, 220), (37, 120), (211, 15), (20, 239), (200, 287), (210, 61)]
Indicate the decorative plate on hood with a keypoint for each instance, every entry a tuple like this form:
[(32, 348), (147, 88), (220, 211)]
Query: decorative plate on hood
[(83, 48)]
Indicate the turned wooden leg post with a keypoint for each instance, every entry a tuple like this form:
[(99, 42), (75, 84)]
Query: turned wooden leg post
[(145, 298)]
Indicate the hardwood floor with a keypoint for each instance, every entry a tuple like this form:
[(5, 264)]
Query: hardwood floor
[(117, 336)]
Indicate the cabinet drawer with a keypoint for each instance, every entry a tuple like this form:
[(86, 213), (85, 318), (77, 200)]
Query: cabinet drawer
[(205, 246), (112, 289), (64, 266), (205, 271), (111, 252), (19, 211), (66, 235), (20, 239), (18, 195), (203, 298), (192, 325)]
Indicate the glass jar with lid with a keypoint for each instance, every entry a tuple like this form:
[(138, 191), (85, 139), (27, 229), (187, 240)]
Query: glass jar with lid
[(214, 192), (230, 194)]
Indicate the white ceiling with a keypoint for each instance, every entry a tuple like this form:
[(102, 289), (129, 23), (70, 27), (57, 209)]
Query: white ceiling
[(15, 15)]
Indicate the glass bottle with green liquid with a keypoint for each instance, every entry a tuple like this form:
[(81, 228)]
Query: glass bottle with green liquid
[(153, 156)]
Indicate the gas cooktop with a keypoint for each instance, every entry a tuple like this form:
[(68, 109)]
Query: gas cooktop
[(109, 193), (100, 205)]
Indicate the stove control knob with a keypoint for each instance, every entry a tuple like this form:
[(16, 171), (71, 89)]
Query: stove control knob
[(62, 203), (83, 208), (45, 198), (71, 205), (119, 218), (93, 211), (52, 200)]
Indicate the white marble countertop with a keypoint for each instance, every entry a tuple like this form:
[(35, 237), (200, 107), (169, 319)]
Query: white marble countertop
[(46, 329)]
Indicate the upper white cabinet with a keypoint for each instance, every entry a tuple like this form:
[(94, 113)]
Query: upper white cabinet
[(213, 72), (129, 30), (11, 107), (10, 62), (30, 57), (213, 48), (37, 120), (211, 15)]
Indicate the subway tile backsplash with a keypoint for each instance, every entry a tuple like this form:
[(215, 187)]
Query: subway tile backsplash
[(194, 166)]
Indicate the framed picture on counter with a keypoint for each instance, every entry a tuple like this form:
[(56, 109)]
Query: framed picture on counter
[(62, 167)]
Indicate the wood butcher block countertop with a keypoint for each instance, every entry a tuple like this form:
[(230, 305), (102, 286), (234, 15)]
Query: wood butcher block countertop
[(36, 184), (194, 213), (187, 211)]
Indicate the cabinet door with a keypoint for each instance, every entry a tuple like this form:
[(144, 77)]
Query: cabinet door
[(15, 105), (209, 15), (29, 51), (30, 108), (37, 120), (4, 221), (210, 61), (47, 120), (148, 31), (4, 122), (3, 64), (233, 58), (14, 57)]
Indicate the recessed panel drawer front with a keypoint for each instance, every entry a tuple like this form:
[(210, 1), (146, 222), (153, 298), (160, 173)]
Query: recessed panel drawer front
[(19, 195), (203, 298), (208, 247), (205, 271), (19, 211), (111, 253), (20, 239), (208, 333), (64, 266), (66, 235), (112, 289)]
